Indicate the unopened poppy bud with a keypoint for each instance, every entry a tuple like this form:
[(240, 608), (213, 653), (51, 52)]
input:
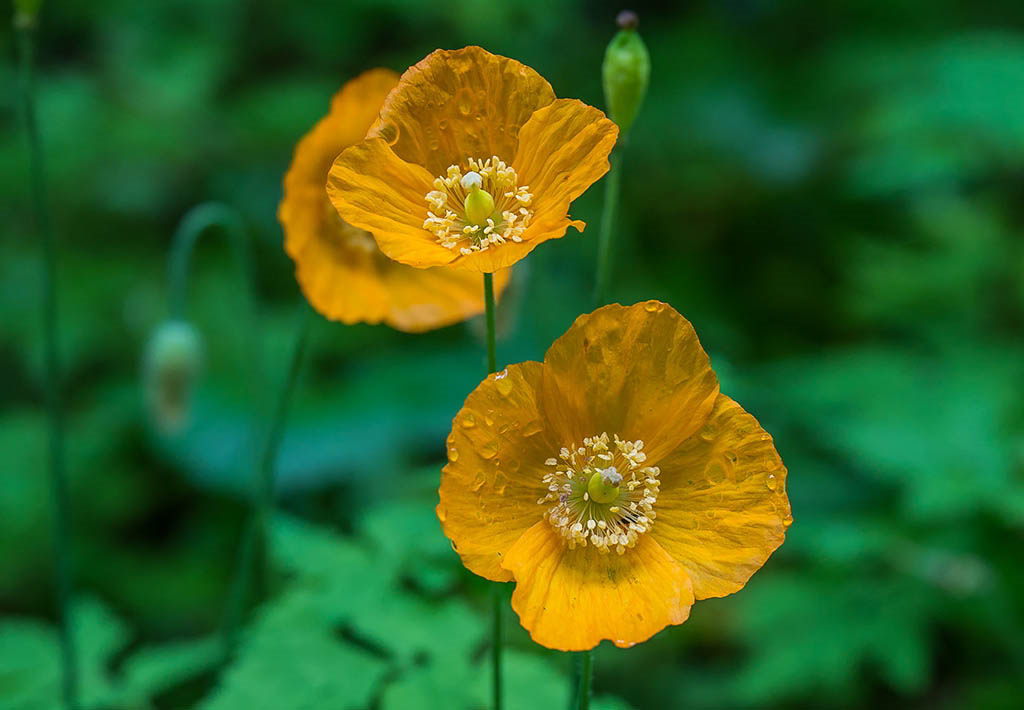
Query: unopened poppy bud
[(626, 71), (171, 364)]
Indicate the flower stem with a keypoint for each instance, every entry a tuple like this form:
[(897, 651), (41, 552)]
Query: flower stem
[(193, 225), (25, 30), (584, 693), (497, 598), (604, 244), (492, 350), (255, 543)]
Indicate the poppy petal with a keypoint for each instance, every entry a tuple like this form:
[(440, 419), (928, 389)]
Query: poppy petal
[(459, 104), (723, 509), (494, 477), (638, 372), (572, 599)]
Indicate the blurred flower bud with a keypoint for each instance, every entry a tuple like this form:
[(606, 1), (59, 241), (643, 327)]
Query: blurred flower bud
[(626, 71), (25, 12), (171, 365)]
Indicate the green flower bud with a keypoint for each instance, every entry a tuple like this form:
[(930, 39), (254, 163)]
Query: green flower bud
[(171, 365), (626, 71), (25, 12)]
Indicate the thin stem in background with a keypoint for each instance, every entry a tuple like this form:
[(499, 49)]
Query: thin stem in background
[(497, 597), (197, 222), (584, 692), (604, 244), (257, 535), (25, 30)]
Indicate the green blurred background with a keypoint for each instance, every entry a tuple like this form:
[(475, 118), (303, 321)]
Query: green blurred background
[(831, 192)]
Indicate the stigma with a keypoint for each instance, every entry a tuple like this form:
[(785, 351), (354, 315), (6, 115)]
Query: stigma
[(485, 206), (601, 493)]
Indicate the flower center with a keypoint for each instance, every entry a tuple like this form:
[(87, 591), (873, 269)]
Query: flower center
[(485, 205), (601, 493)]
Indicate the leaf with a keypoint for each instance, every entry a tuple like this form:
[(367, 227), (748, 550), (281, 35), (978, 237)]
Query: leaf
[(154, 669), (30, 659), (290, 659)]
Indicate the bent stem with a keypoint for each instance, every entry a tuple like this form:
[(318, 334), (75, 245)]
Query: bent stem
[(196, 223), (252, 552), (25, 30), (496, 593), (604, 244)]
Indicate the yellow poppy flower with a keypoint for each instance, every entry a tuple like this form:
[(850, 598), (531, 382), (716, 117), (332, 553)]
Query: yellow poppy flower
[(339, 267), (612, 482), (473, 162)]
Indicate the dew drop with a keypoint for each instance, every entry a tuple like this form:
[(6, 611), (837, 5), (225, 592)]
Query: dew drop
[(442, 124), (389, 132), (488, 421), (499, 483), (772, 482), (489, 449), (513, 464), (464, 101), (504, 387), (715, 472), (433, 144), (442, 514), (479, 481), (453, 454), (652, 306), (533, 428), (468, 421), (787, 521)]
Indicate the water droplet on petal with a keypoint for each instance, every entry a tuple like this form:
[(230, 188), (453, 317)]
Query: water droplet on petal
[(442, 514), (468, 421), (772, 482), (442, 124), (488, 421), (389, 132), (715, 472), (479, 481), (504, 386), (787, 521), (652, 306), (489, 449), (533, 428), (453, 454), (464, 101)]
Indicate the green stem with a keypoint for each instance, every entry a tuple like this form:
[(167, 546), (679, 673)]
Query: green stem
[(197, 222), (497, 597), (604, 244), (256, 539), (492, 351), (25, 29), (584, 692)]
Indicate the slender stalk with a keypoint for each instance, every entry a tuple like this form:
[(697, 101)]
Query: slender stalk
[(197, 222), (604, 244), (497, 597), (255, 541), (492, 350), (584, 692), (25, 30)]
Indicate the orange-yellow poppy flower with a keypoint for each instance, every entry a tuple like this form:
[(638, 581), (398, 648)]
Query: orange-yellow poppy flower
[(473, 162), (341, 270), (612, 482)]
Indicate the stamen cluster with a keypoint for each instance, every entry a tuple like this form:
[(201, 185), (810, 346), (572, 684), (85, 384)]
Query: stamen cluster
[(617, 469), (446, 215)]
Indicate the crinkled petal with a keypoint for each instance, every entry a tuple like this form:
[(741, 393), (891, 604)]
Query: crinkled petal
[(339, 267), (374, 189), (494, 477), (638, 372), (723, 508), (571, 600), (459, 104), (563, 150)]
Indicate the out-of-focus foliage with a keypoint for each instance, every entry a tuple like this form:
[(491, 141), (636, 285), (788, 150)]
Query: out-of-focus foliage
[(831, 193)]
